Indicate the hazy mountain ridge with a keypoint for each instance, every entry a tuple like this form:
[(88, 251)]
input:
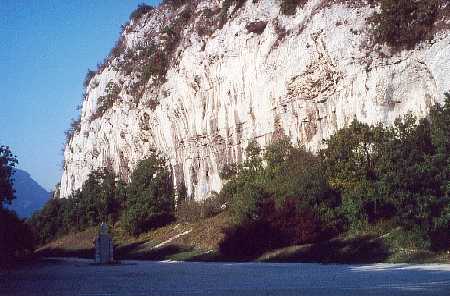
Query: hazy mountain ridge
[(30, 196)]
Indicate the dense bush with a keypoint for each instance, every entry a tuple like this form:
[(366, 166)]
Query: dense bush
[(256, 27), (7, 163), (106, 102), (404, 23), (191, 211), (16, 239), (288, 200), (275, 227), (368, 175), (140, 11), (146, 202), (101, 199), (399, 173), (150, 196), (87, 79), (75, 126), (289, 7)]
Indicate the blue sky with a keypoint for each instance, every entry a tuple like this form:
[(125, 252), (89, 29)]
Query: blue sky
[(46, 48)]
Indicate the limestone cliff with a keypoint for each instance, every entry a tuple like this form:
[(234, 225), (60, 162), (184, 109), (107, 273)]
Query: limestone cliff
[(198, 81)]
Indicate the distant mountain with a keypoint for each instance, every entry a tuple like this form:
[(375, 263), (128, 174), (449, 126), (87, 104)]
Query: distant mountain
[(30, 196)]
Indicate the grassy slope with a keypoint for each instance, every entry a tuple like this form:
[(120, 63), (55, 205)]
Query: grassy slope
[(201, 240)]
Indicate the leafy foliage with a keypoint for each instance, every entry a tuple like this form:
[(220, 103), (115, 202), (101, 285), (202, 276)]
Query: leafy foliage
[(146, 202), (140, 11), (87, 79), (368, 175), (191, 211), (150, 196), (404, 23), (101, 199), (106, 102), (287, 201), (75, 126), (288, 7), (7, 163), (16, 239)]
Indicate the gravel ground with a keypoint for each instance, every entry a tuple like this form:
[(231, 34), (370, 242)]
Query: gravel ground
[(63, 276)]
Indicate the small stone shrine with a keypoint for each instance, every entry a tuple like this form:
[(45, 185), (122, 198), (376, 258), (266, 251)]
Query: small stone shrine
[(104, 249)]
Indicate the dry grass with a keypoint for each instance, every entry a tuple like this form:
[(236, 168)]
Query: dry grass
[(80, 244), (205, 235), (202, 244)]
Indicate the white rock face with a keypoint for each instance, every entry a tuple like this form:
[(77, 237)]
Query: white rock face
[(235, 86)]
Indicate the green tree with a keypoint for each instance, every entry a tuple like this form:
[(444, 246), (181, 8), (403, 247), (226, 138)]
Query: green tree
[(15, 236), (246, 188), (7, 163), (350, 160), (150, 196), (101, 199)]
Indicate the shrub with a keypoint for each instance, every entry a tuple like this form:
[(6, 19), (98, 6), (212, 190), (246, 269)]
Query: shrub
[(101, 199), (16, 238), (208, 22), (274, 228), (118, 49), (188, 211), (107, 101), (175, 3), (226, 5), (289, 7), (191, 211), (228, 171), (150, 60), (140, 11), (256, 27), (405, 23), (7, 163), (150, 198), (75, 126), (87, 79)]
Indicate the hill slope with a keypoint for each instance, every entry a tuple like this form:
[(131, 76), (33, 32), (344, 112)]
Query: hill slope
[(30, 196)]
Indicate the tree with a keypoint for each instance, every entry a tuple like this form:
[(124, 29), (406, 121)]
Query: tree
[(101, 199), (7, 163), (245, 189), (350, 162), (150, 196), (15, 236)]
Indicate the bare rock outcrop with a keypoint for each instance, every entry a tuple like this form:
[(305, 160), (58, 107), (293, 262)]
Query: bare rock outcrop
[(223, 85)]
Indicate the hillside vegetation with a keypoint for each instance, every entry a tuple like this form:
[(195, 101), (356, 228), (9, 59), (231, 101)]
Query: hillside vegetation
[(370, 182), (16, 237)]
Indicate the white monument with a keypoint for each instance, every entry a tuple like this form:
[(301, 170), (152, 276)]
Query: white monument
[(104, 249)]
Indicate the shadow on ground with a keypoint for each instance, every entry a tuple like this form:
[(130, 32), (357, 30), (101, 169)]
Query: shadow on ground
[(364, 249), (60, 252)]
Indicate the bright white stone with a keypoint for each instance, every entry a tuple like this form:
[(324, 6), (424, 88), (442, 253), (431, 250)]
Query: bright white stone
[(313, 82)]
